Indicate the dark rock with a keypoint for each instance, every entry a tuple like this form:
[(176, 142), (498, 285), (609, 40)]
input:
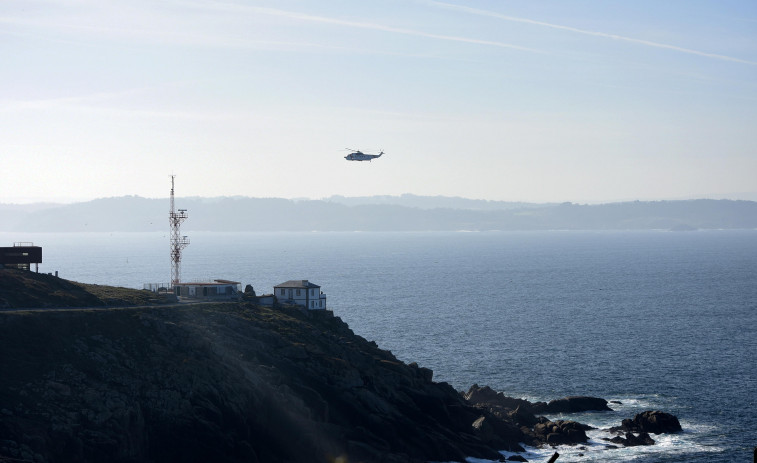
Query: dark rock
[(655, 422), (484, 395), (426, 373), (643, 439), (484, 430), (631, 440), (522, 418), (575, 404), (560, 432), (516, 458), (497, 433), (537, 430)]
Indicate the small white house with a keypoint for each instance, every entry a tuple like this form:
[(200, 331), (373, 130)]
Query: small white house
[(217, 289), (302, 293)]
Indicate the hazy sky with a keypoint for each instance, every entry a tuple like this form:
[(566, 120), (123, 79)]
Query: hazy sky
[(528, 100)]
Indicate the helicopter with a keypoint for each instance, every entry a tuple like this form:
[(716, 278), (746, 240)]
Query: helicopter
[(357, 155)]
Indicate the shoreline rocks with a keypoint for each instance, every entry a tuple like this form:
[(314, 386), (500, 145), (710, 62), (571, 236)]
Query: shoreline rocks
[(655, 422), (536, 430), (479, 395), (631, 440), (573, 404), (539, 430), (633, 432)]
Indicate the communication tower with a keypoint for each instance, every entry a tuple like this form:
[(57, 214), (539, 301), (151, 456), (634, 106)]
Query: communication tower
[(178, 242)]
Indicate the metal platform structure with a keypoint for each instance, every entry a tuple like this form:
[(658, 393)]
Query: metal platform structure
[(178, 242)]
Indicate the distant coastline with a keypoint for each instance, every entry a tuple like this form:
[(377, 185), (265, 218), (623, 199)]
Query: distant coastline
[(376, 213)]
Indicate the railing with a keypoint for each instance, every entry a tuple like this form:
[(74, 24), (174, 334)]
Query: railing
[(156, 287)]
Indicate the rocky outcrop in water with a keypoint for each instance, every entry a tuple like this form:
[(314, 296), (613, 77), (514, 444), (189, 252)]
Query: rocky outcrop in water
[(560, 432), (655, 422), (536, 430), (573, 404), (631, 440), (484, 395), (633, 432)]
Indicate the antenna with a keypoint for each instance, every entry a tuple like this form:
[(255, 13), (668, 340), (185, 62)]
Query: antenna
[(178, 242)]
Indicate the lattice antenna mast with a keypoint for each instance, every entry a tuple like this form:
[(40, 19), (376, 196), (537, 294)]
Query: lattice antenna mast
[(178, 242)]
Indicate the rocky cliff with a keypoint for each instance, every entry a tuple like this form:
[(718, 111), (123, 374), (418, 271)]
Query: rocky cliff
[(236, 382), (220, 382)]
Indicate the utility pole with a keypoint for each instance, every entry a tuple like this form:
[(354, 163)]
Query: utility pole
[(178, 242)]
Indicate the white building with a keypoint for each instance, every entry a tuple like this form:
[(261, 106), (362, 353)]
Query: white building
[(302, 293)]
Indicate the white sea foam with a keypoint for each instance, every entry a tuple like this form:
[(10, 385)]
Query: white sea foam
[(600, 451), (597, 449)]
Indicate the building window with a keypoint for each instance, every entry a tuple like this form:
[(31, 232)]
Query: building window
[(320, 303), (282, 291), (298, 292), (312, 304)]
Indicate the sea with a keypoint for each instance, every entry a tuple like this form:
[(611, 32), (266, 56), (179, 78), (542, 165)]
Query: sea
[(650, 320)]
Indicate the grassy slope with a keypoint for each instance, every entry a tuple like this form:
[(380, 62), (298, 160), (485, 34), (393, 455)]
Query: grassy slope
[(20, 289)]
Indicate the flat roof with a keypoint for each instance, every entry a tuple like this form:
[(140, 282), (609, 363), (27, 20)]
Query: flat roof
[(209, 283), (297, 284)]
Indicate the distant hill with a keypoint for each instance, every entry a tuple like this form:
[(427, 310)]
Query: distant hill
[(375, 213), (430, 202)]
